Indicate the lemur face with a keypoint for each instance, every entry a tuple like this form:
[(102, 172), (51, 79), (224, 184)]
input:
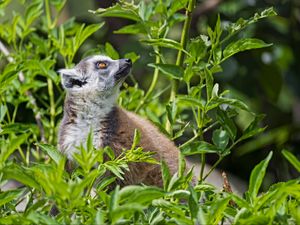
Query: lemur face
[(95, 74)]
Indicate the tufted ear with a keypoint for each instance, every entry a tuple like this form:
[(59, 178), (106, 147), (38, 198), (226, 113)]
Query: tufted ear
[(70, 78)]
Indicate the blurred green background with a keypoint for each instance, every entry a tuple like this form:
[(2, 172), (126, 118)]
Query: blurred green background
[(267, 79)]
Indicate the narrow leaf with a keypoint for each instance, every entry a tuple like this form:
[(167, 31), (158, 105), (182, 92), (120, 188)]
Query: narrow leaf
[(166, 175), (257, 176), (10, 195), (118, 11), (243, 45), (199, 147), (52, 152), (292, 159), (132, 29), (163, 42), (172, 71)]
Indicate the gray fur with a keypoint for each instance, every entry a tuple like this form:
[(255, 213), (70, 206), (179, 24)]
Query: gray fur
[(91, 97)]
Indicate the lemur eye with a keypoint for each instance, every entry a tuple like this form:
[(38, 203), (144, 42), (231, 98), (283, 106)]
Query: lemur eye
[(101, 65)]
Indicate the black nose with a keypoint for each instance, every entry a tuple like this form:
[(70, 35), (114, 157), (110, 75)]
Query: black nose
[(128, 61)]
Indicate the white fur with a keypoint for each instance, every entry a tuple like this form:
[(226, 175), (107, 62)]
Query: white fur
[(89, 119), (92, 102)]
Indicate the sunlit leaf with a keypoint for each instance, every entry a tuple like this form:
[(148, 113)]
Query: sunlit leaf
[(118, 11), (257, 176), (243, 45)]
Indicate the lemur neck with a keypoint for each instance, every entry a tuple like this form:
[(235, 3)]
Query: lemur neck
[(84, 114), (89, 109)]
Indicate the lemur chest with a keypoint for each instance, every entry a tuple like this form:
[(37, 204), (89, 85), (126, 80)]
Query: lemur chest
[(75, 134)]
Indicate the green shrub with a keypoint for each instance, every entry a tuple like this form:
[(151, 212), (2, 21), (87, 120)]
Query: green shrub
[(34, 46)]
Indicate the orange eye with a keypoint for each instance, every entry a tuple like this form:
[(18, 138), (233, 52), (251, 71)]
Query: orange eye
[(101, 65)]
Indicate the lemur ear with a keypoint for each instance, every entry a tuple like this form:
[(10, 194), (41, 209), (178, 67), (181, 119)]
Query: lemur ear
[(69, 78)]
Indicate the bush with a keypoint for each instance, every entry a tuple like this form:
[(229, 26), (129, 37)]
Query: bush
[(34, 46)]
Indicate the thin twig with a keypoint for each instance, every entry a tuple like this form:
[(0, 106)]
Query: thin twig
[(32, 101)]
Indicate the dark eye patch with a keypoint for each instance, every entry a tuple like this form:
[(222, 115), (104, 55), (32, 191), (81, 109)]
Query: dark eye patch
[(75, 82)]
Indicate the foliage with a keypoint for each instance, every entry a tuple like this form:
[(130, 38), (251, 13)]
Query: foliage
[(204, 113)]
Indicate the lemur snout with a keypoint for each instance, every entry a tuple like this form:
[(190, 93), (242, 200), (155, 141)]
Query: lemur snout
[(124, 68), (125, 61)]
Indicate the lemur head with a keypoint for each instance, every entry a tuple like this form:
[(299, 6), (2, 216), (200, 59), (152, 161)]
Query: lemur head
[(95, 74)]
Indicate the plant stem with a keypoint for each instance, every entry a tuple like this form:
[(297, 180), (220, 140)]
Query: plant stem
[(180, 55), (183, 42), (52, 109), (153, 83), (189, 141), (48, 14), (202, 166), (213, 167)]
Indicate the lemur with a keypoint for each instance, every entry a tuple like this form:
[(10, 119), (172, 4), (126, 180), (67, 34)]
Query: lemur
[(92, 88)]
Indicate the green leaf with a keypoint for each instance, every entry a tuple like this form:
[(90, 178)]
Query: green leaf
[(132, 55), (172, 71), (227, 124), (99, 217), (169, 206), (105, 182), (199, 147), (89, 142), (40, 218), (220, 138), (10, 195), (181, 165), (253, 128), (20, 174), (125, 210), (13, 145), (53, 152), (177, 5), (257, 176), (243, 45), (146, 195), (292, 159), (114, 199), (209, 82), (193, 202), (190, 101), (132, 29), (217, 101), (128, 191), (9, 74), (136, 139), (166, 175), (33, 11), (111, 51), (115, 169), (217, 210), (118, 11), (84, 32), (3, 110), (164, 42)]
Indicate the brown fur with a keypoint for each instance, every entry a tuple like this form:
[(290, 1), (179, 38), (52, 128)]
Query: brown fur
[(151, 140)]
